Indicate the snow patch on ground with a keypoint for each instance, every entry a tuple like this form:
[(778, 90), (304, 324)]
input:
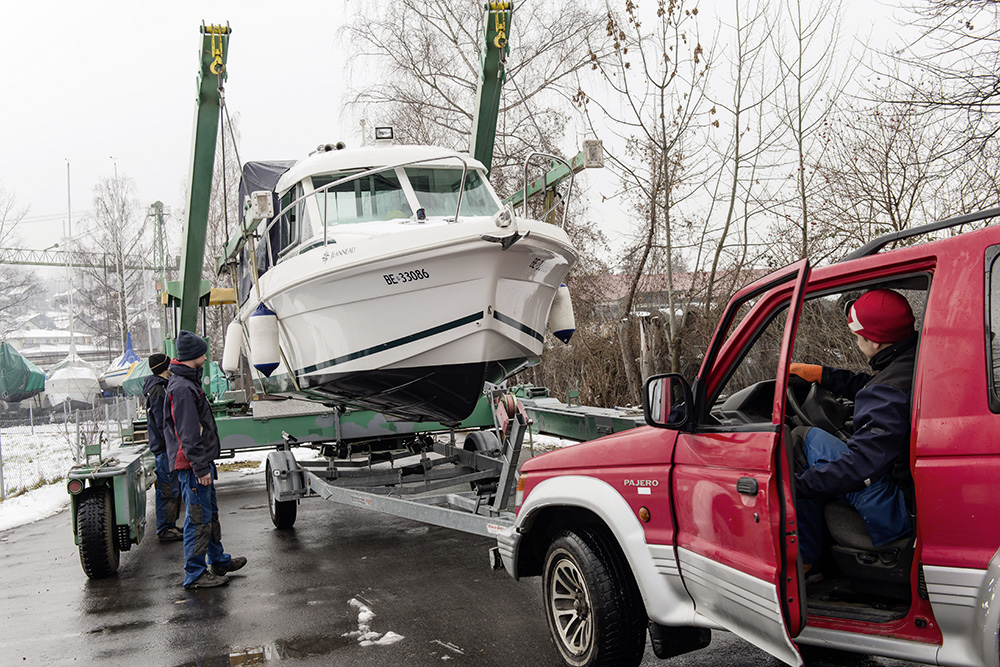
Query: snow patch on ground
[(364, 634), (544, 443), (33, 506)]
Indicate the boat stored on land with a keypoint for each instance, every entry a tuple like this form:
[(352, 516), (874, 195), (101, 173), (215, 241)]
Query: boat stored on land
[(73, 380), (19, 378), (396, 279), (121, 366)]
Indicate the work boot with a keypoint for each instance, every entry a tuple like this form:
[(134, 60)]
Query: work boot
[(209, 579), (170, 534), (235, 564)]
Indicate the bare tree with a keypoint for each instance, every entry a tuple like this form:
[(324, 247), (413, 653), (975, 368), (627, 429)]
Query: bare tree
[(112, 293), (18, 285), (814, 76), (884, 173), (223, 224), (652, 90), (956, 54), (427, 56), (747, 145)]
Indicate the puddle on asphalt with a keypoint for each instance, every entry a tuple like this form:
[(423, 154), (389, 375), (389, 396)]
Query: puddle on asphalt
[(299, 647)]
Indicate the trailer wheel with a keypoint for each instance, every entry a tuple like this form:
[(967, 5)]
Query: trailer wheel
[(95, 529), (592, 604), (283, 512)]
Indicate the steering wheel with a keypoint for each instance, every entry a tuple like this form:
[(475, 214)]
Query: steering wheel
[(820, 408), (794, 405)]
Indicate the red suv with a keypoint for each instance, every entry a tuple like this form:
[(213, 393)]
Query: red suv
[(689, 524)]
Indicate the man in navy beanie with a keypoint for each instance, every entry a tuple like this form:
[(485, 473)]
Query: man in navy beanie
[(168, 489), (192, 446)]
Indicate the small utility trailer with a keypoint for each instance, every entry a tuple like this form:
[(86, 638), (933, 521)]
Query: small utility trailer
[(108, 496), (414, 475)]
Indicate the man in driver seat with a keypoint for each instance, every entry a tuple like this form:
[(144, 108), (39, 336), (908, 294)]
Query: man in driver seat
[(859, 471)]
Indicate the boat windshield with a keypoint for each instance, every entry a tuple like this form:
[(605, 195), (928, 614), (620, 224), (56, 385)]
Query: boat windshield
[(373, 197), (437, 191)]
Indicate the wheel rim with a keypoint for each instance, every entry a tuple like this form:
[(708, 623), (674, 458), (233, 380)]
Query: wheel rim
[(570, 606)]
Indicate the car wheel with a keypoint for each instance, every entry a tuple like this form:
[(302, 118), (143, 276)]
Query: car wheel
[(592, 603)]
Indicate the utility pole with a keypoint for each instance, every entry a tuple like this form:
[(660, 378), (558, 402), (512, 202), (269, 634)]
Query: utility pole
[(160, 258)]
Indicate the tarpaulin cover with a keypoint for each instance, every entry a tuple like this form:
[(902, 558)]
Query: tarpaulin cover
[(136, 378), (19, 378), (259, 176)]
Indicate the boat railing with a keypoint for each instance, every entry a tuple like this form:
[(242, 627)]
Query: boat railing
[(354, 177), (569, 192)]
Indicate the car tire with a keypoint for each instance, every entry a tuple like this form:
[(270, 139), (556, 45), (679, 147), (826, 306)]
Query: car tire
[(592, 604)]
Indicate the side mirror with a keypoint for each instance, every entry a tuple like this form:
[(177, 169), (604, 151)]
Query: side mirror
[(666, 401)]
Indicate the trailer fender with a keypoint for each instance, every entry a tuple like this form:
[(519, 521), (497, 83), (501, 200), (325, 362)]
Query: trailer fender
[(287, 479), (654, 566)]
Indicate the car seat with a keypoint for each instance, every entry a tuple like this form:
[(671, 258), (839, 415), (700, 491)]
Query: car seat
[(883, 571)]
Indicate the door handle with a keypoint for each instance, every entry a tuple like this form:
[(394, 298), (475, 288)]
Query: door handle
[(747, 486)]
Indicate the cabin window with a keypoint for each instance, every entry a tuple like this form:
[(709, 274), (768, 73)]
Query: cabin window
[(437, 192), (374, 197), (286, 224)]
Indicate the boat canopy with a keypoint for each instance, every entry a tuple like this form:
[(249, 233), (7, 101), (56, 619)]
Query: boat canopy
[(19, 378)]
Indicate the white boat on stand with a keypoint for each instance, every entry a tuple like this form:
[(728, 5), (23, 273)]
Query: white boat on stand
[(73, 381), (397, 280), (120, 366)]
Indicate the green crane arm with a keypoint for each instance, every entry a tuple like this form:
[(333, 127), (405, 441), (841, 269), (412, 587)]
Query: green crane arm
[(214, 50), (491, 79)]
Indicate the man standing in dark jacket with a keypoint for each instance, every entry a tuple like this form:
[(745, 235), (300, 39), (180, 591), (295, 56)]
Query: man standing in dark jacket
[(168, 489), (193, 445), (859, 471)]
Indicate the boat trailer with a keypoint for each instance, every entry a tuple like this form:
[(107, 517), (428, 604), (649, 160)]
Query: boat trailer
[(414, 478)]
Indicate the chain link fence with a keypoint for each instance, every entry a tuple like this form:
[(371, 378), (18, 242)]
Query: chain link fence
[(39, 447)]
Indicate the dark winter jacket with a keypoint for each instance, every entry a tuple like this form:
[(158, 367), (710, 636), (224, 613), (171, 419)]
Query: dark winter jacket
[(155, 390), (881, 423), (188, 425)]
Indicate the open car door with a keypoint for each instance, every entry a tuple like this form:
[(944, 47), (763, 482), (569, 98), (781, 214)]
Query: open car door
[(737, 546)]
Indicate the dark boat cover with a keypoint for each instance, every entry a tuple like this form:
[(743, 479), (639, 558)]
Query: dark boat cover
[(259, 176), (19, 378)]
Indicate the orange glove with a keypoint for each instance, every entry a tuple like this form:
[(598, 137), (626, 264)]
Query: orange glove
[(808, 372)]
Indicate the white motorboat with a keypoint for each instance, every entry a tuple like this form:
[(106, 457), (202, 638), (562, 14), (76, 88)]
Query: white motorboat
[(398, 280), (73, 380), (121, 366)]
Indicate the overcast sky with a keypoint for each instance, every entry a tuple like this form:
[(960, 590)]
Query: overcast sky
[(112, 83), (106, 83)]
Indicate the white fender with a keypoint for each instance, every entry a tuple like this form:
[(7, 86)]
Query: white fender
[(233, 348), (653, 566), (262, 329), (562, 323)]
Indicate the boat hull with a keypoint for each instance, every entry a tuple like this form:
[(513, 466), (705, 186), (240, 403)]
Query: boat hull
[(413, 323)]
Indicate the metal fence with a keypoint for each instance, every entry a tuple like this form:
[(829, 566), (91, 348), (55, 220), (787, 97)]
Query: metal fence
[(39, 447)]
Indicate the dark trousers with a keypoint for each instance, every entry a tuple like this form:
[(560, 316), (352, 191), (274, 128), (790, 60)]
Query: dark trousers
[(202, 531), (881, 504), (168, 494)]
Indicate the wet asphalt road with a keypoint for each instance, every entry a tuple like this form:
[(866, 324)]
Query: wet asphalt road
[(291, 604)]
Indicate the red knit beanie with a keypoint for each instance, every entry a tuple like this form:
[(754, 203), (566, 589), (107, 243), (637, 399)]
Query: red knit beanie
[(881, 316)]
